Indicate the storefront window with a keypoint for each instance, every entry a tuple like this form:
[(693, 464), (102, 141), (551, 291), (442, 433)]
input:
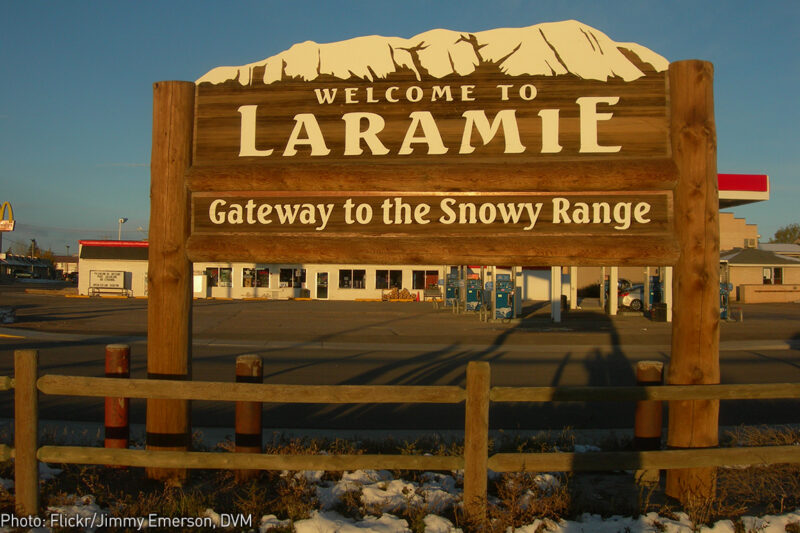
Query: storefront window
[(262, 277), (352, 279), (395, 279), (255, 277), (424, 279), (388, 279), (219, 276), (248, 277), (292, 277)]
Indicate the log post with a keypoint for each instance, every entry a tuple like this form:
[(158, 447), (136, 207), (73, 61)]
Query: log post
[(648, 418), (249, 369), (26, 432), (117, 428), (170, 272), (476, 440), (695, 330)]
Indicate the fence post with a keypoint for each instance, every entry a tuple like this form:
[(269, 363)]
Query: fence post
[(249, 369), (169, 273), (695, 329), (26, 432), (649, 418), (476, 439), (117, 429)]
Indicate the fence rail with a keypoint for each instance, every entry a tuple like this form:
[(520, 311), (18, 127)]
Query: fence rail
[(251, 461), (245, 392), (761, 391), (477, 397)]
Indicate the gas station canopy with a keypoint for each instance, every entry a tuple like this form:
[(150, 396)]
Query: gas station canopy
[(741, 189)]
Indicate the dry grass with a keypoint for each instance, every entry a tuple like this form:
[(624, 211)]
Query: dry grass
[(514, 500)]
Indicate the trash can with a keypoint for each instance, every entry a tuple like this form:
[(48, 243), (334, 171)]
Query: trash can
[(658, 313)]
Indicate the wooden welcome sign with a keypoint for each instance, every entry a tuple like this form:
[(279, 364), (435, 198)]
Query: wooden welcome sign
[(297, 157), (547, 145)]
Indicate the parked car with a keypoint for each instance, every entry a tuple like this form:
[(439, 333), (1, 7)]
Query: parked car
[(631, 297)]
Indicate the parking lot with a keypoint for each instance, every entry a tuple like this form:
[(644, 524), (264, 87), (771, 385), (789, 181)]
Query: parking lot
[(318, 342)]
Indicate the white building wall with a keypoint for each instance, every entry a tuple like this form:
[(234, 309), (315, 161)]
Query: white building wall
[(309, 288), (135, 274)]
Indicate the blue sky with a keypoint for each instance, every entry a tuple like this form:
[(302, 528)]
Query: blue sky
[(76, 97)]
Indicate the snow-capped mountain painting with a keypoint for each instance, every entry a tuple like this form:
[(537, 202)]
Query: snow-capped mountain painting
[(548, 49)]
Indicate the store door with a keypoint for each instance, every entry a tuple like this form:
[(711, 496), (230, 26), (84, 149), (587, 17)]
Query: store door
[(322, 285)]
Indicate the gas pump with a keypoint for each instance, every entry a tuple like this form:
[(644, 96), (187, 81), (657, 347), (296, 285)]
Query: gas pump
[(724, 300), (451, 295), (656, 295), (474, 295), (504, 301), (725, 288)]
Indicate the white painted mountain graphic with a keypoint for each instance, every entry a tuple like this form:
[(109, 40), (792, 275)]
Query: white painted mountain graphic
[(548, 49)]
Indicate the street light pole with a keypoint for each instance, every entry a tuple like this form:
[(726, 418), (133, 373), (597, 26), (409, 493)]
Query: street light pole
[(119, 233)]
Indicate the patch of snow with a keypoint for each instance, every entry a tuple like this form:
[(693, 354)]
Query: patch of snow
[(586, 448), (364, 477), (330, 522), (84, 507), (547, 483), (393, 496), (271, 521), (437, 524)]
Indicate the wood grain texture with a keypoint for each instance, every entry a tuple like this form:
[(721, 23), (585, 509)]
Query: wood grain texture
[(169, 272), (549, 250), (613, 174), (236, 461), (695, 333), (758, 391), (639, 123), (26, 433), (476, 438), (650, 460), (248, 392)]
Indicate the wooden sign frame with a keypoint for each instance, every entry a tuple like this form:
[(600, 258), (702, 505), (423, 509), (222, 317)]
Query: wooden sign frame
[(687, 174)]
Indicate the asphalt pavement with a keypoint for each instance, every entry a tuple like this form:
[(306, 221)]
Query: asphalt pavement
[(319, 342)]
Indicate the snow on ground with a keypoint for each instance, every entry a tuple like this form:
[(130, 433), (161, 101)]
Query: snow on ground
[(383, 495)]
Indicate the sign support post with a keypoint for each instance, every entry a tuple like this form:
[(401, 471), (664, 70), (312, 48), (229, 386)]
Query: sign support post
[(169, 304), (695, 330)]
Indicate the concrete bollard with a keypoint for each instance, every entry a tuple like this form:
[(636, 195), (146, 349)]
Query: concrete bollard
[(249, 369), (117, 424)]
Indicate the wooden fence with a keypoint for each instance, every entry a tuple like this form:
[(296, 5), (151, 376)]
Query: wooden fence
[(475, 462)]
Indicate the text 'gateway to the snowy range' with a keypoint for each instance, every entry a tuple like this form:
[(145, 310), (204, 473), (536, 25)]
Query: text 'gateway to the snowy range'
[(445, 214)]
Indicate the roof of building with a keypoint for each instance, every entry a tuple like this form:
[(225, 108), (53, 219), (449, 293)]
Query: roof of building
[(126, 250), (780, 248), (24, 261), (754, 256)]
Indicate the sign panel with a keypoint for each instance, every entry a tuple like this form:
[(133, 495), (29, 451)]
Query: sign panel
[(106, 279), (551, 92), (512, 136), (432, 214), (6, 217)]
